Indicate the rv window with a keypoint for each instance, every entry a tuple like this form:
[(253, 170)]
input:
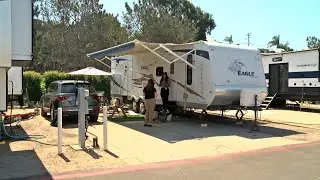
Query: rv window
[(159, 71), (172, 68), (189, 70), (204, 54)]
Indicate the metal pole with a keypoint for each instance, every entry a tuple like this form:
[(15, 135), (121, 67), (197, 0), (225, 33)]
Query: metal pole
[(81, 117), (59, 130), (105, 131)]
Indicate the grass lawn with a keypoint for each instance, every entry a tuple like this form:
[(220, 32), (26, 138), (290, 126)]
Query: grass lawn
[(119, 118)]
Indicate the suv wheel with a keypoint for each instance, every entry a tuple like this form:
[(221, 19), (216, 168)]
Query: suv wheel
[(43, 113), (53, 116)]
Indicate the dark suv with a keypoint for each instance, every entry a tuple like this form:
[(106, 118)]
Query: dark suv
[(64, 94)]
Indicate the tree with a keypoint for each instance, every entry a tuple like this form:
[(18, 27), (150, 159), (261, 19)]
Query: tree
[(276, 42), (228, 39), (313, 42), (285, 46), (68, 30), (180, 16), (155, 25)]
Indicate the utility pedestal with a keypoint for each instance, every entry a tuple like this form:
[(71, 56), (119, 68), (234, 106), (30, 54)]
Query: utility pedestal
[(83, 110)]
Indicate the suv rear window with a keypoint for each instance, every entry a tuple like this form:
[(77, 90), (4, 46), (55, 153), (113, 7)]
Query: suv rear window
[(73, 88)]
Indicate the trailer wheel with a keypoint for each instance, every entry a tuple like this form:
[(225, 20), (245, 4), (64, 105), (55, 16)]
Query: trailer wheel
[(142, 108), (135, 106)]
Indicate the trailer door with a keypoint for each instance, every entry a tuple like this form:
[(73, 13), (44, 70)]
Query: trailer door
[(278, 82), (116, 85)]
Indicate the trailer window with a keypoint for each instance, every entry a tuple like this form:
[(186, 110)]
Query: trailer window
[(172, 68), (204, 54), (159, 71), (189, 70)]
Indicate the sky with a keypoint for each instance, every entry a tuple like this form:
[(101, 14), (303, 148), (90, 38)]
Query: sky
[(293, 20)]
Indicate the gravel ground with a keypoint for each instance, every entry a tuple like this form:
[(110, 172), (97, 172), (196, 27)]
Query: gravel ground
[(44, 143)]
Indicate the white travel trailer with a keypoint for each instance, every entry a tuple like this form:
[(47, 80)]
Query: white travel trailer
[(204, 75), (293, 75)]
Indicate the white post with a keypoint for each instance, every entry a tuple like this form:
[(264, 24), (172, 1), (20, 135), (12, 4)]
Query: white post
[(105, 133), (81, 117), (59, 130)]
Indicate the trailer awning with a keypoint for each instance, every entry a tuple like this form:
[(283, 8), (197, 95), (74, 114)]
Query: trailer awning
[(139, 47)]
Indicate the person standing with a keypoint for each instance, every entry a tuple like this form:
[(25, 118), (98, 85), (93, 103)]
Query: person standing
[(149, 102), (164, 85)]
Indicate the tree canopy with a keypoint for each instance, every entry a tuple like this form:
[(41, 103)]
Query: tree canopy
[(65, 31), (228, 39), (167, 20), (313, 42), (276, 42)]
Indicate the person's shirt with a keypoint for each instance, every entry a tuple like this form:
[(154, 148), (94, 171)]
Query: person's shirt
[(149, 92), (165, 84)]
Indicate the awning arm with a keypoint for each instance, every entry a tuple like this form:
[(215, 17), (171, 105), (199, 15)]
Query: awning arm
[(178, 57), (156, 53), (183, 55), (101, 61)]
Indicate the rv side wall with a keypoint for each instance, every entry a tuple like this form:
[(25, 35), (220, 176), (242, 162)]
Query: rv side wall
[(303, 67), (15, 78), (21, 12), (237, 72), (5, 33), (3, 89), (237, 67), (121, 85)]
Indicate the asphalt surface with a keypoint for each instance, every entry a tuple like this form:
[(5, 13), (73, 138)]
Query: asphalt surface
[(292, 164)]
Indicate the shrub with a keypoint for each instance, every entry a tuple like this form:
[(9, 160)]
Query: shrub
[(33, 85), (51, 76), (36, 83)]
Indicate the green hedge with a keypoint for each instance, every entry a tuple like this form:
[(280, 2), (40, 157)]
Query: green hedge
[(35, 83)]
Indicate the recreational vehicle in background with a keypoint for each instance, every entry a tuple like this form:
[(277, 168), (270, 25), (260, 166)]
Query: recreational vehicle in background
[(293, 75), (204, 75)]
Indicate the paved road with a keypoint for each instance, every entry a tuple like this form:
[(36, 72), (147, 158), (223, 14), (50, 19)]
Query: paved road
[(297, 163)]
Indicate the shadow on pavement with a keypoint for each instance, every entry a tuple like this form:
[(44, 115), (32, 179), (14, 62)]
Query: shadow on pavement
[(70, 123), (23, 164), (185, 128)]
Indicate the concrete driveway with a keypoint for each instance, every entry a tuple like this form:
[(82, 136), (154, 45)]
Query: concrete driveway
[(184, 138)]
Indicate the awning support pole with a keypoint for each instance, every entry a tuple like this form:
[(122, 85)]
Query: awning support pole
[(176, 55), (180, 57), (101, 61), (155, 53)]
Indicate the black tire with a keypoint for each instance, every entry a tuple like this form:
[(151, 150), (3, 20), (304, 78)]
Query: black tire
[(43, 113), (94, 118), (142, 108), (53, 116), (135, 106)]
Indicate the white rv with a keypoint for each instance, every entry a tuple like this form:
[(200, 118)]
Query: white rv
[(293, 75), (204, 75)]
